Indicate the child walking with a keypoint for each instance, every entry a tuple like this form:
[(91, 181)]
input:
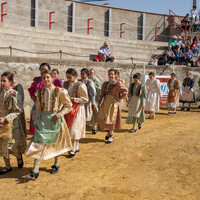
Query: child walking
[(136, 103), (51, 137), (109, 117), (76, 119), (10, 109)]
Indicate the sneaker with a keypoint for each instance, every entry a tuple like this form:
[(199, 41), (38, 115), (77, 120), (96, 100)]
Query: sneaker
[(33, 175), (72, 154), (139, 126), (54, 169)]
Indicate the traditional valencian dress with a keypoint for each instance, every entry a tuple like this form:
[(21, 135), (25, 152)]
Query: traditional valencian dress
[(37, 85), (10, 109), (174, 92), (187, 91), (76, 119), (92, 98), (109, 117), (153, 95), (19, 123), (137, 97), (51, 137), (95, 112)]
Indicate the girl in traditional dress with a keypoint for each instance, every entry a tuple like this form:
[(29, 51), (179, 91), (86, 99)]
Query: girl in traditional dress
[(37, 85), (10, 108), (153, 95), (173, 95), (76, 119), (109, 117), (136, 103), (51, 137), (187, 92), (91, 106), (97, 83)]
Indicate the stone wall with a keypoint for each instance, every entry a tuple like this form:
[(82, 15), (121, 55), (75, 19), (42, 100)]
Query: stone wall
[(36, 13), (26, 69)]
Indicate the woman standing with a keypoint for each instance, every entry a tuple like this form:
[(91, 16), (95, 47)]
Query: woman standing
[(10, 108), (51, 137), (109, 117), (153, 95), (76, 119), (173, 95), (37, 85)]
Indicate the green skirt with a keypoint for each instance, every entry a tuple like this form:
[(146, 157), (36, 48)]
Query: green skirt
[(47, 128)]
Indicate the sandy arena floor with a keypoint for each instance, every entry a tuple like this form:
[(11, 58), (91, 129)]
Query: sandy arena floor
[(160, 162)]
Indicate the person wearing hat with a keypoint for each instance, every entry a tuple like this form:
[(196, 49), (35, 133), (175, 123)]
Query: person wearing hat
[(173, 42), (107, 53), (99, 57), (153, 60)]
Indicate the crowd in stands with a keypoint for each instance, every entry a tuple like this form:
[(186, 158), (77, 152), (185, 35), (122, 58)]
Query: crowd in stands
[(179, 52)]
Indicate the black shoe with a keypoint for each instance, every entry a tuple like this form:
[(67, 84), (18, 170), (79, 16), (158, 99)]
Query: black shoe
[(5, 171), (139, 126), (33, 175), (110, 140), (71, 154), (77, 151), (133, 130), (55, 169), (107, 137), (94, 132), (20, 162), (182, 109), (188, 109)]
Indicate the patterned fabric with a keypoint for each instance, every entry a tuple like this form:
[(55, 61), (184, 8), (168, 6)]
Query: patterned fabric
[(10, 109), (57, 100)]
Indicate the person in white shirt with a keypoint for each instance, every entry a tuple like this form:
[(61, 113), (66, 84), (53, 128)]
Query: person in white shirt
[(194, 13), (107, 53)]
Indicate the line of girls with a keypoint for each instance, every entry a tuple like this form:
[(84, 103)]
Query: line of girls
[(60, 113)]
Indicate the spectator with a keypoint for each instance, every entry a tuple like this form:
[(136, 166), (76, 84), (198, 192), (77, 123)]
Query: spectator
[(153, 60), (107, 54), (197, 63), (173, 42), (189, 56), (196, 24), (180, 57), (170, 54), (198, 46), (99, 57), (188, 41), (191, 25), (194, 47), (185, 22), (194, 13), (180, 42), (163, 60)]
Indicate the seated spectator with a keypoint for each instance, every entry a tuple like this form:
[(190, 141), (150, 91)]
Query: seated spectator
[(196, 24), (185, 23), (194, 48), (197, 63), (188, 41), (153, 60), (180, 43), (191, 26), (173, 42), (180, 57), (189, 56), (198, 46), (107, 54), (99, 57), (170, 54), (163, 60)]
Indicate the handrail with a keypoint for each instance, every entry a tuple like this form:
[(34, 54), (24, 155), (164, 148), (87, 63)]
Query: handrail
[(171, 19)]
